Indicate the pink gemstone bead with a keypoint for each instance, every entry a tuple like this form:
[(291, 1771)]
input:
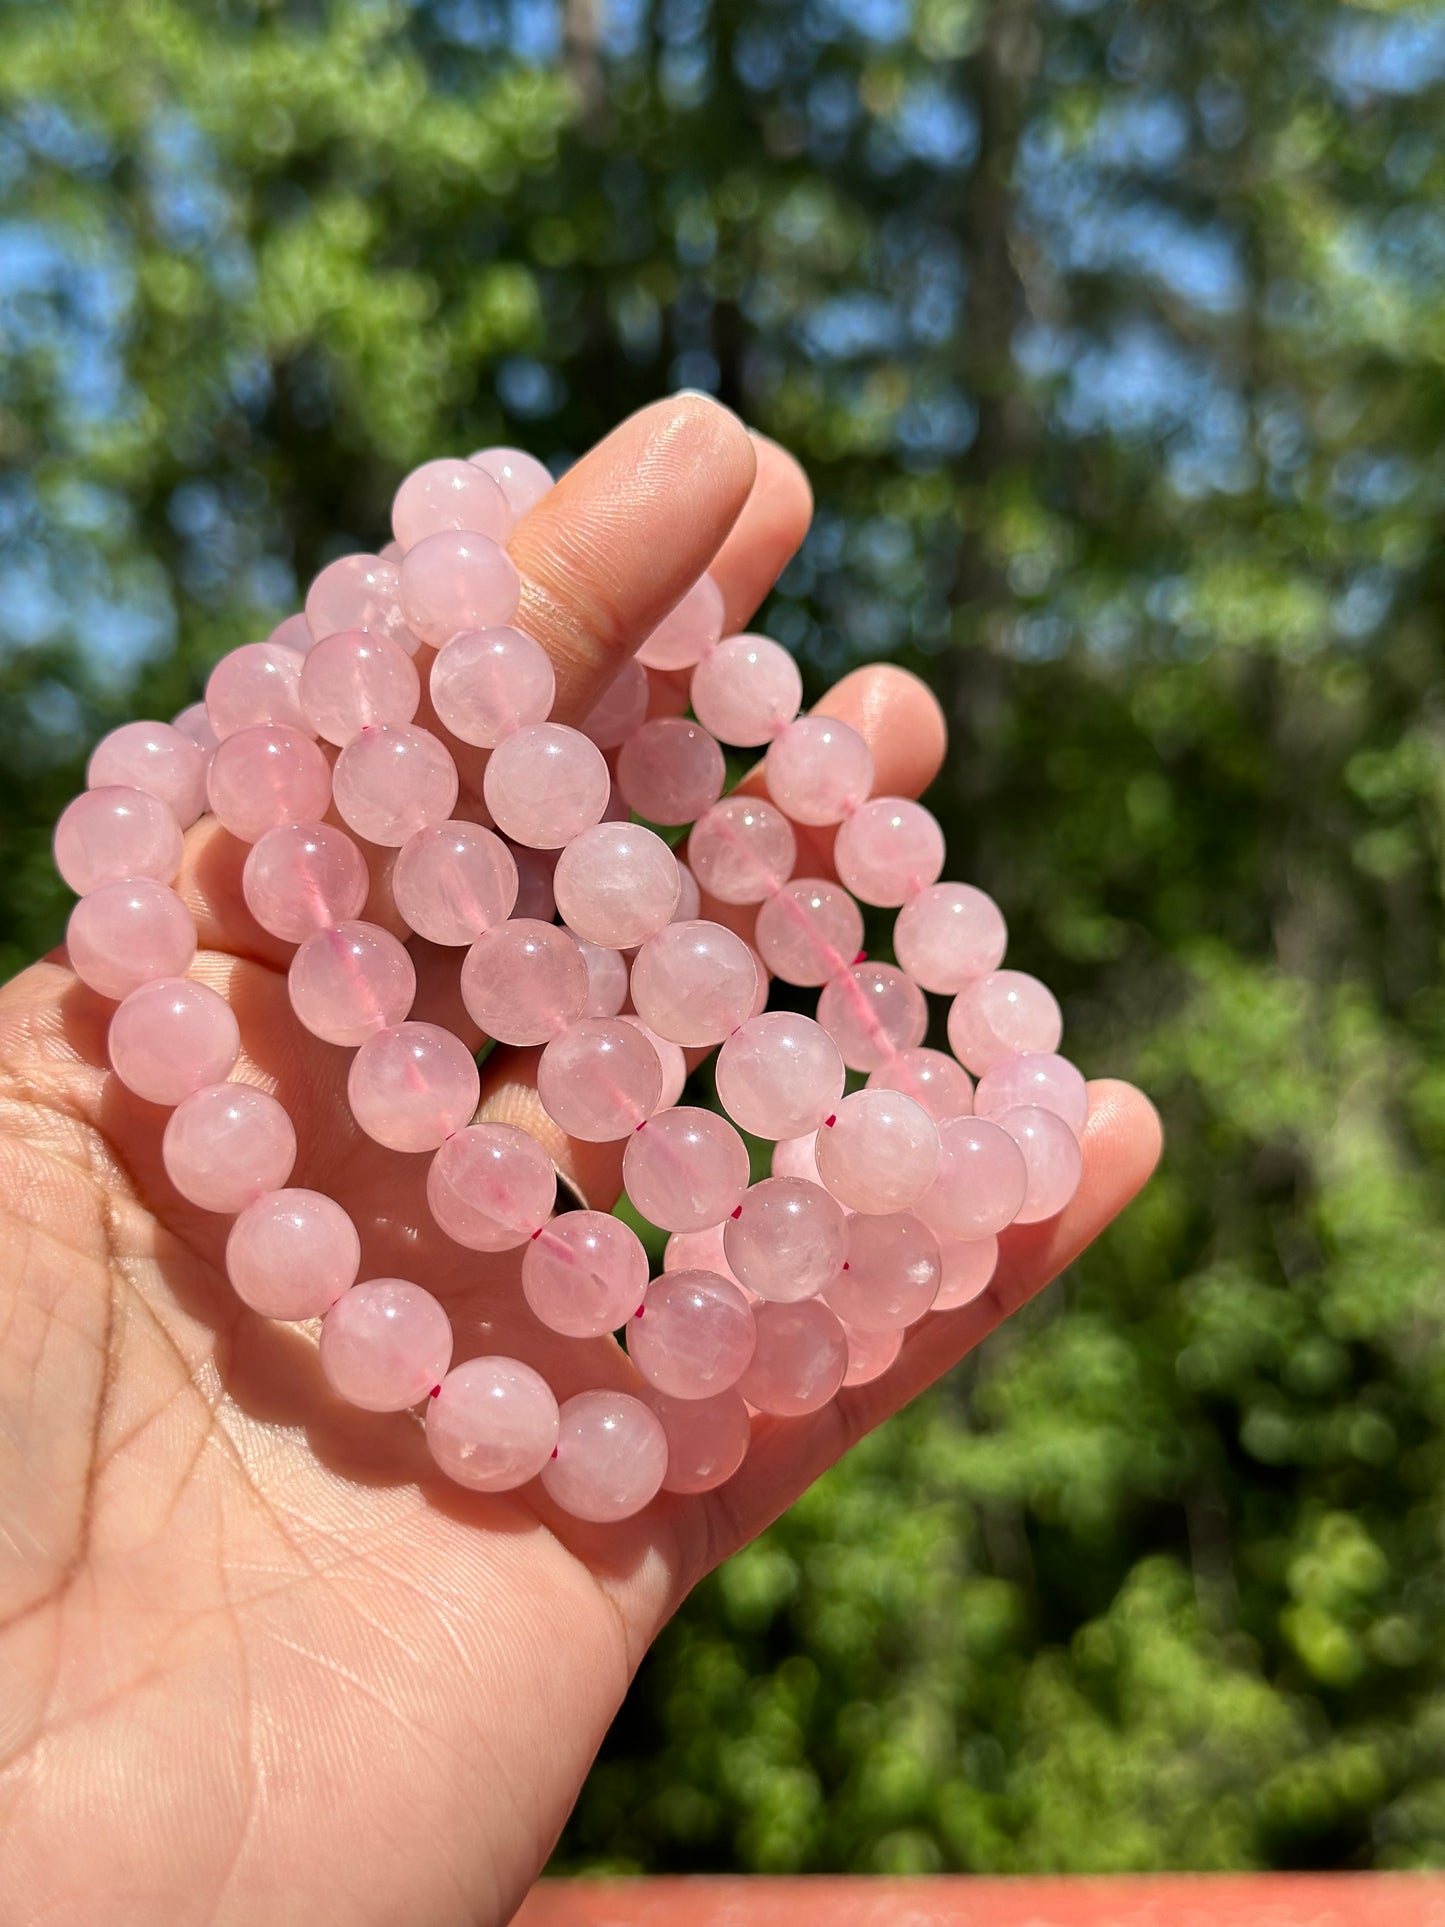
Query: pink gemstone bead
[(534, 883), (490, 1187), (1003, 1015), (487, 682), (685, 1169), (156, 758), (694, 1335), (616, 885), (350, 982), (707, 1439), (257, 684), (584, 1274), (393, 781), (522, 478), (607, 975), (694, 982), (787, 1240), (968, 1269), (359, 592), (412, 1086), (779, 1075), (669, 1055), (742, 850), (870, 1354), (892, 1273), (622, 708), (797, 1157), (128, 933), (449, 495), (746, 690), (818, 770), (456, 581), (599, 1079), (949, 935), (304, 877), (524, 981), (1039, 1078), (671, 770), (195, 724), (291, 1254), (809, 931), (689, 897), (888, 850), (980, 1184), (692, 628), (453, 881), (227, 1144), (170, 1037), (265, 776), (353, 681), (545, 784), (799, 1357), (385, 1344), (291, 632), (872, 1012), (111, 833), (931, 1078), (879, 1153), (1054, 1159), (611, 1457), (493, 1424), (703, 1250)]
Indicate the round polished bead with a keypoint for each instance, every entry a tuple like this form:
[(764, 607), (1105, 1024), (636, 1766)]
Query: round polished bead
[(779, 1075), (611, 1457), (171, 1036), (746, 690), (487, 682), (1053, 1157), (293, 632), (948, 936), (787, 1240), (449, 494), (453, 881), (584, 1274), (491, 1186), (116, 832), (359, 592), (797, 1157), (599, 1079), (685, 1169), (888, 850), (128, 933), (534, 883), (227, 1144), (354, 681), (621, 709), (351, 981), (195, 725), (1003, 1015), (545, 784), (412, 1086), (742, 850), (870, 1354), (156, 758), (291, 1254), (1039, 1078), (980, 1184), (671, 770), (800, 1354), (385, 1344), (809, 931), (669, 1055), (689, 897), (879, 1152), (694, 982), (694, 1335), (818, 770), (707, 1439), (456, 581), (689, 631), (872, 1012), (258, 683), (616, 885), (703, 1250), (522, 478), (968, 1269), (892, 1273), (304, 877), (393, 781), (265, 776), (931, 1078), (493, 1424), (607, 974), (524, 981)]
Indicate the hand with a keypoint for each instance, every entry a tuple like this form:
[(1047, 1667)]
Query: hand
[(257, 1662)]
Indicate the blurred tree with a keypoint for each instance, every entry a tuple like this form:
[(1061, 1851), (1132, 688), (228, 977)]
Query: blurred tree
[(1111, 336)]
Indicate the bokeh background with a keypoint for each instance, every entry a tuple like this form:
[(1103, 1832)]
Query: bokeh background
[(1112, 336)]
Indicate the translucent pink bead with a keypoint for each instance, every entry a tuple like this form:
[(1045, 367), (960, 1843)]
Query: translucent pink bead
[(545, 784), (870, 1354), (453, 881), (879, 1153), (809, 931), (872, 1011), (611, 1457), (616, 885), (1054, 1159), (115, 832), (128, 933), (291, 632), (523, 479), (694, 982), (351, 981), (891, 1275), (671, 770), (359, 592), (622, 707), (258, 683), (487, 682), (1040, 1078), (779, 1075), (1003, 1015), (534, 883), (195, 724), (949, 935), (304, 877), (493, 1424), (689, 897), (456, 581), (226, 1144), (353, 681), (170, 1037), (584, 1274), (968, 1269), (669, 1055), (449, 495), (156, 758), (385, 1344), (703, 1250), (787, 1240), (797, 1157), (393, 781), (265, 776), (524, 981), (742, 850), (888, 850), (685, 1169), (412, 1086), (291, 1254), (980, 1184), (707, 1439), (800, 1354), (746, 690), (931, 1078), (818, 770), (694, 1335), (684, 636), (599, 1079), (491, 1186), (607, 973)]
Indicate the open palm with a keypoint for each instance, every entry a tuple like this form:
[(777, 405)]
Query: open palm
[(258, 1662)]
